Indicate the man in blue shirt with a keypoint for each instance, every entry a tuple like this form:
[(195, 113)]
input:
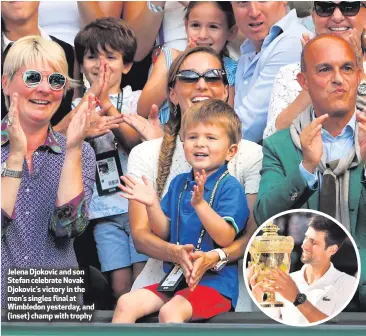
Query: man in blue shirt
[(319, 162), (273, 40)]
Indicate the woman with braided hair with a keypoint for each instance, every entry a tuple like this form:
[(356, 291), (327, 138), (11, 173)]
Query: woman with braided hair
[(196, 75)]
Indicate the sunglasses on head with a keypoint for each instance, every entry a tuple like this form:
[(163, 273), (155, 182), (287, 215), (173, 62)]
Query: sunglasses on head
[(32, 78), (210, 76), (326, 9)]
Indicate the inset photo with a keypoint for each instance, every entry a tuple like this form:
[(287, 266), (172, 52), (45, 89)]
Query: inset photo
[(302, 268)]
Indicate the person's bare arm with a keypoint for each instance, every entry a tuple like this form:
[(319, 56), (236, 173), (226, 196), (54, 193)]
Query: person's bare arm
[(236, 249), (287, 288), (145, 194), (132, 9), (147, 243), (89, 11), (154, 91), (289, 114), (146, 27), (311, 313), (231, 96), (125, 134), (71, 179), (112, 8)]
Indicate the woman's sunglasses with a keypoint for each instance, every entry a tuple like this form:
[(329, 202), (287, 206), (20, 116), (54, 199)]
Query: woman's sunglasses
[(210, 76), (32, 78), (326, 9)]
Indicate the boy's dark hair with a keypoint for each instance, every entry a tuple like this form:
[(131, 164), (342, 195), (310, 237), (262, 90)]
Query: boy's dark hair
[(215, 112), (334, 234), (112, 32)]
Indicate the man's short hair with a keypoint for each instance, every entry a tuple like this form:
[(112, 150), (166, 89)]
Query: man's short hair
[(106, 32), (215, 112), (334, 234)]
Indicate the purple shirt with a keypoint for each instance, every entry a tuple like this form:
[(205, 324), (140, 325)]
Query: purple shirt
[(39, 234)]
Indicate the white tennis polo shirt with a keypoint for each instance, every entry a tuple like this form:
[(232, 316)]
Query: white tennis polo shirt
[(330, 294)]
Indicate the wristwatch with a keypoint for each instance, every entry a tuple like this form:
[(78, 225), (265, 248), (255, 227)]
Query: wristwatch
[(300, 298), (362, 88), (10, 173), (224, 258)]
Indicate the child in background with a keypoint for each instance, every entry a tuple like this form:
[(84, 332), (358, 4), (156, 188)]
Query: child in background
[(208, 23), (206, 208), (105, 50)]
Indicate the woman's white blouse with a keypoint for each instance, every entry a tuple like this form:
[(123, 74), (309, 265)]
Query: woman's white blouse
[(284, 92)]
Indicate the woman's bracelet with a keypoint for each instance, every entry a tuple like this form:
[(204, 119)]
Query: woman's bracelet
[(154, 8)]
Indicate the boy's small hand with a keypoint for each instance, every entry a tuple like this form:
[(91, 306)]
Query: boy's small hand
[(199, 189), (134, 190), (100, 87)]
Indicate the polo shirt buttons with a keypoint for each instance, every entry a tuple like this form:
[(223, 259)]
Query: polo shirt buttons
[(294, 196)]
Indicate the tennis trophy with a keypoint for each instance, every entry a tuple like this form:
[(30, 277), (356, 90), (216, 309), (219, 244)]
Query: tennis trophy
[(268, 252)]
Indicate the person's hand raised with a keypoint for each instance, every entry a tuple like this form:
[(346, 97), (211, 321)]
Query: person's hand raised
[(312, 143), (199, 189), (100, 87), (80, 123), (148, 129), (134, 190), (305, 39), (17, 138)]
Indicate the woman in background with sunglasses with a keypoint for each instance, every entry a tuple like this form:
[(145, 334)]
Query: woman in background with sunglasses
[(196, 74), (346, 19), (46, 178)]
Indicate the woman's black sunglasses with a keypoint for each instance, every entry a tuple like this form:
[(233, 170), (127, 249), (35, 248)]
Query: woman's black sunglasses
[(210, 76), (326, 9)]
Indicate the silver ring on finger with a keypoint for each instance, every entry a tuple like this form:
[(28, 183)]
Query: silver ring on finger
[(9, 122)]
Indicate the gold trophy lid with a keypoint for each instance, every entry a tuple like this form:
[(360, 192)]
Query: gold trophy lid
[(271, 242)]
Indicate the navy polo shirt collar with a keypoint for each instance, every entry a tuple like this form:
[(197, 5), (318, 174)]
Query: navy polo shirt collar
[(211, 180)]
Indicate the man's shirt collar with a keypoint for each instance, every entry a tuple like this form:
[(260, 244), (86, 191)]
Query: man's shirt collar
[(349, 129), (275, 30)]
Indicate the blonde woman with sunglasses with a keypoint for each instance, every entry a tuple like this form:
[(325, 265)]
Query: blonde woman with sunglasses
[(46, 178)]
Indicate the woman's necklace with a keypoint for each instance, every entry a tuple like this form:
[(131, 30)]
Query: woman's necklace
[(28, 159)]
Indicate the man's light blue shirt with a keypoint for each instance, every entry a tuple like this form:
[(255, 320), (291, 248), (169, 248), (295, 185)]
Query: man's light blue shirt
[(256, 73), (334, 148)]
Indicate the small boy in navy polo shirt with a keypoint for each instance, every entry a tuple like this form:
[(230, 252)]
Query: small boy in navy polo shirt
[(206, 207)]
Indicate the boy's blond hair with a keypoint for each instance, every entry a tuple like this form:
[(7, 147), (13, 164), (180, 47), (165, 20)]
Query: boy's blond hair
[(215, 112)]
